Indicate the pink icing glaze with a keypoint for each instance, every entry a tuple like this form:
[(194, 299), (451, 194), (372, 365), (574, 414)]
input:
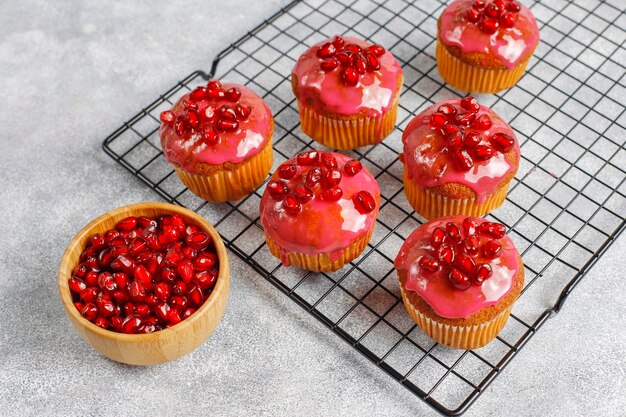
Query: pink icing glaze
[(509, 44), (436, 289), (235, 146), (428, 164), (321, 226), (373, 95)]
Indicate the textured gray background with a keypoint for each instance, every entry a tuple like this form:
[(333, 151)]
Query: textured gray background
[(69, 75)]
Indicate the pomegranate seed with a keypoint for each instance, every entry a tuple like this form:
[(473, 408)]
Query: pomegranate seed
[(101, 322), (500, 4), (466, 118), (92, 263), (331, 178), (79, 306), (482, 122), (344, 57), (167, 117), (464, 160), (277, 189), (178, 302), (180, 126), (106, 282), (151, 300), (332, 194), (91, 279), (89, 295), (459, 279), (188, 312), (502, 142), (291, 205), (489, 25), (186, 267), (116, 322), (172, 258), (302, 193), (327, 50), (204, 261), (142, 310), (328, 160), (89, 311), (455, 141), (470, 226), (77, 285), (314, 176), (495, 230), (174, 317), (491, 249), (359, 63), (352, 167), (213, 84), (131, 324), (429, 264), (195, 295), (445, 254), (513, 7), (105, 306), (80, 271), (198, 240), (168, 274), (97, 241), (364, 202), (465, 263), (138, 246), (481, 273), (120, 296), (169, 235), (188, 104), (470, 103), (208, 114), (438, 120), (454, 232), (106, 256), (338, 42), (127, 224), (215, 93), (479, 4), (471, 245), (287, 171), (472, 15), (179, 288), (243, 112), (162, 310), (376, 50), (447, 109), (471, 140), (492, 10), (483, 152), (233, 94), (136, 291), (329, 64), (355, 49), (209, 136), (508, 20), (307, 158), (226, 125), (162, 291), (227, 112), (141, 274), (205, 280), (198, 94), (438, 237), (373, 64), (350, 76)]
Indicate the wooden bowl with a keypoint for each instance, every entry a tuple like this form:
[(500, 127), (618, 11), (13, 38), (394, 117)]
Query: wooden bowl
[(164, 345)]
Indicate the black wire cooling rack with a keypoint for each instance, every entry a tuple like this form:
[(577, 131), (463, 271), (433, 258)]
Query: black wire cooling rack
[(565, 207)]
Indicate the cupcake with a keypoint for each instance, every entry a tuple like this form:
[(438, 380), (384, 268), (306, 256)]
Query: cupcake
[(319, 210), (347, 91), (459, 277), (459, 158), (484, 46), (219, 140)]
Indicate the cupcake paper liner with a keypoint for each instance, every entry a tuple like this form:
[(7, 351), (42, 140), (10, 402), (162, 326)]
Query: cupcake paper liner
[(431, 205), (321, 262), (230, 184), (458, 337), (347, 134), (469, 78)]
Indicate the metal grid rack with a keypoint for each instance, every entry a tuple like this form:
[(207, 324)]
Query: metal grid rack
[(566, 205)]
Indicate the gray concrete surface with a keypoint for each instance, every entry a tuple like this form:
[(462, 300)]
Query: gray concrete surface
[(70, 73)]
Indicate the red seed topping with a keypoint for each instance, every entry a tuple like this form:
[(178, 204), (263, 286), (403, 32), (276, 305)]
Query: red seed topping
[(332, 194), (314, 177), (470, 226), (513, 7), (438, 237), (481, 273), (483, 122), (329, 64), (502, 142), (277, 189), (131, 272), (291, 205), (429, 264), (287, 171), (198, 94), (327, 50), (168, 117), (472, 139), (508, 20), (489, 25), (464, 160), (470, 103), (331, 178), (364, 202), (307, 158), (495, 230), (352, 167), (350, 76), (445, 254), (302, 193), (483, 152), (491, 249), (459, 279), (351, 59)]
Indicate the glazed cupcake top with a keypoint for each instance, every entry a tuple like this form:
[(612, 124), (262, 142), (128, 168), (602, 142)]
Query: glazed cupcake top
[(214, 125), (347, 76), (319, 202), (505, 29), (459, 265), (462, 142)]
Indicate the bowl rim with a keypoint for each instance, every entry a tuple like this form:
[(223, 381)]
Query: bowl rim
[(66, 269)]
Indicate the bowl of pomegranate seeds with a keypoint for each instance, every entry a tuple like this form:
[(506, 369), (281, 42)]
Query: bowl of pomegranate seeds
[(146, 283)]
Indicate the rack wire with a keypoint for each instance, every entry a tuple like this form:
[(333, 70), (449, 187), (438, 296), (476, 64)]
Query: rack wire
[(565, 207)]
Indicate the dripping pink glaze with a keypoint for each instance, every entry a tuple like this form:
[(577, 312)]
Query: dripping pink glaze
[(436, 289), (235, 147), (509, 44), (373, 95), (429, 165), (321, 226)]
